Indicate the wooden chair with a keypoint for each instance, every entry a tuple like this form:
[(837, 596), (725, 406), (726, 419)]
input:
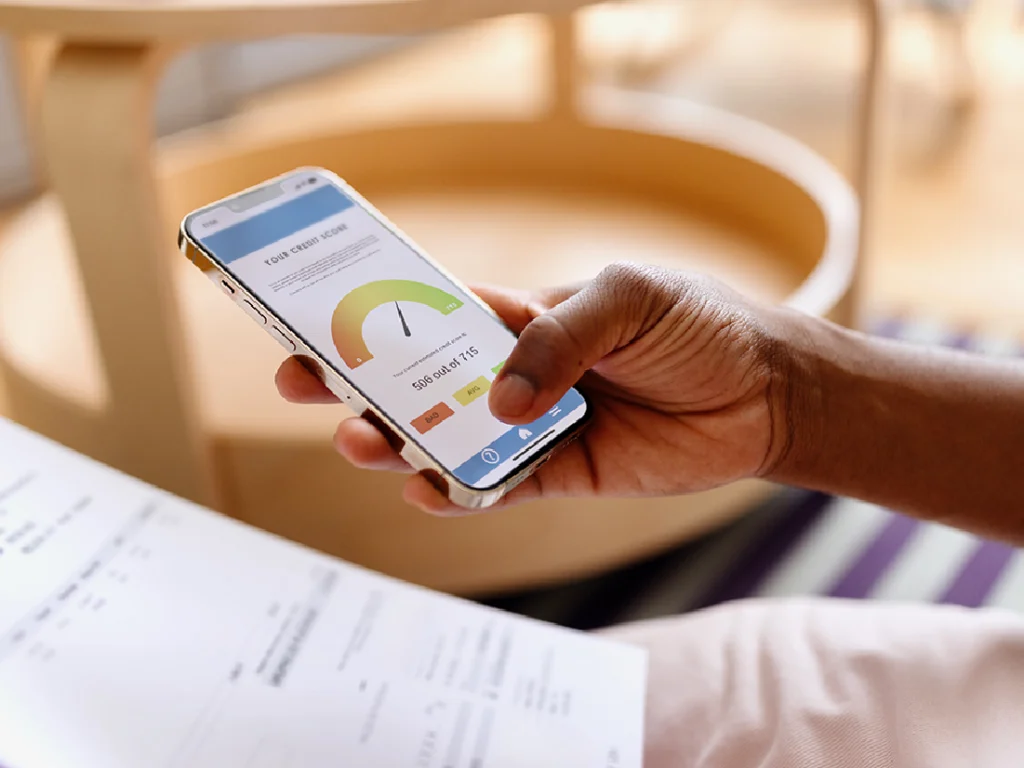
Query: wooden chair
[(110, 343)]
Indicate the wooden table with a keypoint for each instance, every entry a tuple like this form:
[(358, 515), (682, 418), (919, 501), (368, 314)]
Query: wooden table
[(97, 145)]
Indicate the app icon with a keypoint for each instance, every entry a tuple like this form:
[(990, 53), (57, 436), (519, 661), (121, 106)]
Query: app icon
[(490, 456), (525, 434)]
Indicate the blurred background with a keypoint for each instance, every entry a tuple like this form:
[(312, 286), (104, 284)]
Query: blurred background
[(947, 234), (943, 257)]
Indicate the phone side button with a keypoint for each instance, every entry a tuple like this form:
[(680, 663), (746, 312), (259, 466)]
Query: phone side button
[(283, 338), (255, 312)]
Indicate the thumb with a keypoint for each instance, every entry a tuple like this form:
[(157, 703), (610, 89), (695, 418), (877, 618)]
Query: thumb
[(557, 347)]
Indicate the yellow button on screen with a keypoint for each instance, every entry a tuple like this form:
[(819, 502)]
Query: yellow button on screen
[(472, 391)]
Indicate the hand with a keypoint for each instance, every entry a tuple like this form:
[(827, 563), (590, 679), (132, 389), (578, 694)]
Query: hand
[(682, 374)]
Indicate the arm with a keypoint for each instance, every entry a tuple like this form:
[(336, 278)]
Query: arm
[(934, 433)]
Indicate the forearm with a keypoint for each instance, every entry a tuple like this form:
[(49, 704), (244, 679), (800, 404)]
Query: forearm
[(933, 433)]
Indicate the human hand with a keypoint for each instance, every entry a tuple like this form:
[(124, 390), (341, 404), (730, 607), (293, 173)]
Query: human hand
[(685, 379)]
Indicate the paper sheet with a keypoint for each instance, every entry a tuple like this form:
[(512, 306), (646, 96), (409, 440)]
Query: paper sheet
[(138, 630)]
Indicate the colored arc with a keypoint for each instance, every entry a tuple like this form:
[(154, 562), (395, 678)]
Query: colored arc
[(351, 312)]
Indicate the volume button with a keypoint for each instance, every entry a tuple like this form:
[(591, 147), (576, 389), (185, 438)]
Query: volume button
[(283, 337), (254, 311)]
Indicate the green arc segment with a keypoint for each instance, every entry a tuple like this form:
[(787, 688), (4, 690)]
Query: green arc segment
[(350, 314)]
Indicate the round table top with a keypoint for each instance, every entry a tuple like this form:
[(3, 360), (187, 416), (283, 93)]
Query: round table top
[(196, 20)]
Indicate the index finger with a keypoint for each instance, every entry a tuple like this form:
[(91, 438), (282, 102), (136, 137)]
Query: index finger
[(297, 385)]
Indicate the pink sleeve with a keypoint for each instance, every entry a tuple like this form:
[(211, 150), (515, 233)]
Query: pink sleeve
[(832, 683)]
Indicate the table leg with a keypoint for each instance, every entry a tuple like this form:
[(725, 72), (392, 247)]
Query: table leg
[(97, 138), (32, 56), (865, 155), (564, 65)]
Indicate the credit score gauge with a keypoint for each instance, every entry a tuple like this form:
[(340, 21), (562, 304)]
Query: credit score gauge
[(352, 310)]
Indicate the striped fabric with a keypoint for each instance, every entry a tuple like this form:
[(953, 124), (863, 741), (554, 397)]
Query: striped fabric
[(806, 543)]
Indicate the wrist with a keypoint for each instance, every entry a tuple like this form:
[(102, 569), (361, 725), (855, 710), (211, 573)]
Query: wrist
[(923, 431), (802, 379)]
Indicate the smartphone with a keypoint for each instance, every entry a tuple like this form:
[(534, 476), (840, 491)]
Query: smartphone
[(383, 326)]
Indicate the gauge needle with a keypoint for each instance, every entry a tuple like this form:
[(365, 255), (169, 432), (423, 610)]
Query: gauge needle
[(405, 325)]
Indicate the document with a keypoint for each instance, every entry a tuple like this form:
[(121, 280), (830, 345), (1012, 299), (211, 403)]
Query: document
[(138, 630)]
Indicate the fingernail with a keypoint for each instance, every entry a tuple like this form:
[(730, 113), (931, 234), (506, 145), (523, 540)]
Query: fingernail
[(512, 396)]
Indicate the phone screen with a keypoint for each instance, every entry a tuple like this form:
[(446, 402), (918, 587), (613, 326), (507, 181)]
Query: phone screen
[(402, 334)]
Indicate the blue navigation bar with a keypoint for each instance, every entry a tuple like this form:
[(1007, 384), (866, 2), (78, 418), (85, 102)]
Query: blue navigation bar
[(515, 440), (275, 224)]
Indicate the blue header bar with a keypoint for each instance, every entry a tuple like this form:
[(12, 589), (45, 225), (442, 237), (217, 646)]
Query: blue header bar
[(275, 224)]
